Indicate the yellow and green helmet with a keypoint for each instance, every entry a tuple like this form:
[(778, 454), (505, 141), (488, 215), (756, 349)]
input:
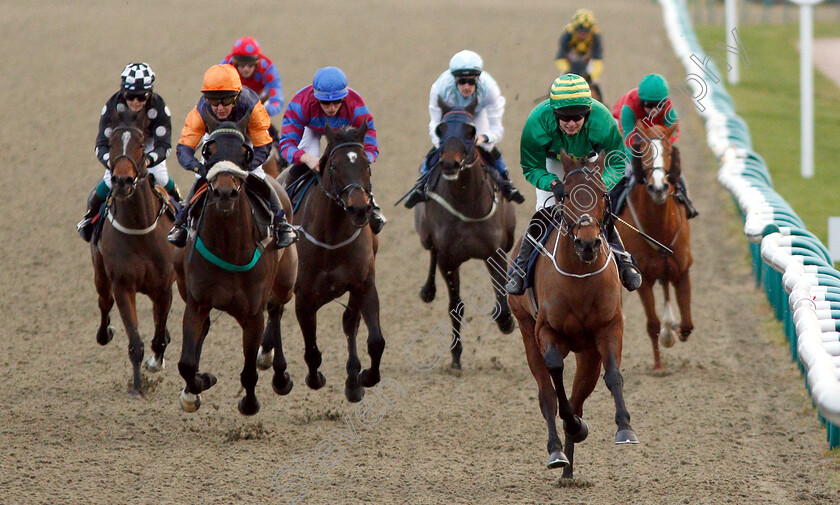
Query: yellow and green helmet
[(583, 19), (570, 91)]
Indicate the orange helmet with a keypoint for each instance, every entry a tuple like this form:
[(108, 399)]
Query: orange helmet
[(221, 78)]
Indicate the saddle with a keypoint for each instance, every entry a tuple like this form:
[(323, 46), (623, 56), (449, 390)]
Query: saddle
[(258, 194), (298, 188)]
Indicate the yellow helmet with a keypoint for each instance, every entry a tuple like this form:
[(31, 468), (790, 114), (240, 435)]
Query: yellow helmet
[(583, 18)]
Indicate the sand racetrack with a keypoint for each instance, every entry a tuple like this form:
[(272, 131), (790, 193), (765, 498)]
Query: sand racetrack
[(730, 423)]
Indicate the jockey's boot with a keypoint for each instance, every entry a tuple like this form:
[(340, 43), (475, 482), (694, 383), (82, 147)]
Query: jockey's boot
[(516, 284), (376, 220), (173, 191), (630, 276), (86, 225), (509, 191), (178, 233), (418, 192), (682, 197), (284, 233)]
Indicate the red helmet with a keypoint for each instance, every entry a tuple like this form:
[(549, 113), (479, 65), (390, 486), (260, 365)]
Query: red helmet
[(246, 50)]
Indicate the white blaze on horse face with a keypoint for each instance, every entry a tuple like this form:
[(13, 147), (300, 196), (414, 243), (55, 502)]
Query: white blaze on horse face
[(352, 157), (658, 177), (658, 166), (126, 136)]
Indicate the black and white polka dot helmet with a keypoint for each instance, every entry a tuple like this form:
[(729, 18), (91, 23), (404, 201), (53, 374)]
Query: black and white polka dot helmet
[(137, 77)]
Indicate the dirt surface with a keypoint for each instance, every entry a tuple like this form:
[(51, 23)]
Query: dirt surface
[(730, 423)]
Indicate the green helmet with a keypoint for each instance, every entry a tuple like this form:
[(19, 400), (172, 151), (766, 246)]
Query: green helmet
[(653, 88), (570, 90)]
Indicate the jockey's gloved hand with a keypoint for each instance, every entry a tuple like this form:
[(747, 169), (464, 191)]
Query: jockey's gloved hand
[(149, 160), (200, 169), (558, 189)]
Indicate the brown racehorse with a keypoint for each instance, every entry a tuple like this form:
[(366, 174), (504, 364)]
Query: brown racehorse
[(230, 263), (337, 255), (465, 218), (578, 297), (132, 255), (652, 208)]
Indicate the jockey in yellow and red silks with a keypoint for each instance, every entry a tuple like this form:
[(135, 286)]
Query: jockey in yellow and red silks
[(581, 42)]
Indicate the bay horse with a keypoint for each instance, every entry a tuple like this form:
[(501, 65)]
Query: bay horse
[(575, 306), (132, 254), (337, 255), (652, 208), (230, 263), (465, 218)]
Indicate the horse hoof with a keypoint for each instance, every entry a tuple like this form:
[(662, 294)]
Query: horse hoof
[(582, 433), (153, 365), (282, 390), (455, 365), (557, 459), (666, 338), (368, 379), (265, 359), (354, 395), (190, 402), (506, 325), (105, 336), (684, 333), (247, 408), (627, 436), (207, 380), (316, 383), (427, 295)]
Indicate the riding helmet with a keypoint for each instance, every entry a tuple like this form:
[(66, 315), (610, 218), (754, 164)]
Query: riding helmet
[(246, 50), (330, 84), (653, 88), (221, 81), (465, 63), (137, 77), (583, 19), (571, 93)]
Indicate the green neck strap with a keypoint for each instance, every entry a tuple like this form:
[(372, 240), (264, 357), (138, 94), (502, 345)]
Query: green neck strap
[(219, 262)]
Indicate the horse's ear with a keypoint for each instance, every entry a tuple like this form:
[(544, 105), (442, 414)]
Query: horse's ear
[(242, 124), (636, 164), (472, 105), (362, 131), (444, 107), (670, 130), (566, 160), (248, 155), (212, 123), (329, 132), (205, 150)]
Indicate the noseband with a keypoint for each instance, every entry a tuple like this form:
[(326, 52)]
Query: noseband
[(334, 194), (585, 219), (137, 178), (471, 156)]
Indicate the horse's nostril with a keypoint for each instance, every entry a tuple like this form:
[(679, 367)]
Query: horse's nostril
[(597, 243), (217, 193)]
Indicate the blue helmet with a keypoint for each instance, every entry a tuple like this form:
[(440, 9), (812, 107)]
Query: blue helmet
[(330, 84)]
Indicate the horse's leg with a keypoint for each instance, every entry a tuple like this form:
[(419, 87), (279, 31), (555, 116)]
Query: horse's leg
[(609, 347), (265, 354), (353, 391), (195, 327), (128, 312), (456, 313), (501, 311), (281, 383), (106, 300), (653, 325), (683, 290), (306, 311), (252, 329), (375, 342), (427, 292), (667, 333), (587, 371), (161, 304)]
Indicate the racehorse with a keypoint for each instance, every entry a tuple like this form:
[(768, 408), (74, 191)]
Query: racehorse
[(230, 263), (132, 254), (465, 218), (579, 64), (576, 307), (652, 208), (337, 255)]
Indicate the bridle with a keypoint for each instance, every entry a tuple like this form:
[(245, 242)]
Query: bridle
[(471, 156), (138, 177), (585, 220), (335, 194)]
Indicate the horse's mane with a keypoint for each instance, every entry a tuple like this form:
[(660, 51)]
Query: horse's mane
[(341, 135)]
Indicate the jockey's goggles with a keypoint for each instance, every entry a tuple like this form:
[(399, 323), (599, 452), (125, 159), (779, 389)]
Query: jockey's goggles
[(569, 117), (215, 102), (650, 104), (245, 61), (330, 102), (466, 80), (129, 96)]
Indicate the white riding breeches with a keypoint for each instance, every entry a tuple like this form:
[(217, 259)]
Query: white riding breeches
[(158, 171)]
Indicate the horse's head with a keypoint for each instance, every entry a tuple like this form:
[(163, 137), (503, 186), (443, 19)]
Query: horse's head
[(456, 132), (127, 142), (345, 172), (655, 161), (583, 209), (226, 180), (227, 143)]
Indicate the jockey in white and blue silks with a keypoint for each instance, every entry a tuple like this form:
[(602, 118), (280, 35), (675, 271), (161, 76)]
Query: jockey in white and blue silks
[(464, 81)]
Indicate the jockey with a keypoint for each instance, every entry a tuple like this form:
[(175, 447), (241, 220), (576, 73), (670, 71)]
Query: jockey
[(224, 99), (463, 81), (568, 121), (581, 39), (258, 73), (135, 94), (327, 100), (648, 102)]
